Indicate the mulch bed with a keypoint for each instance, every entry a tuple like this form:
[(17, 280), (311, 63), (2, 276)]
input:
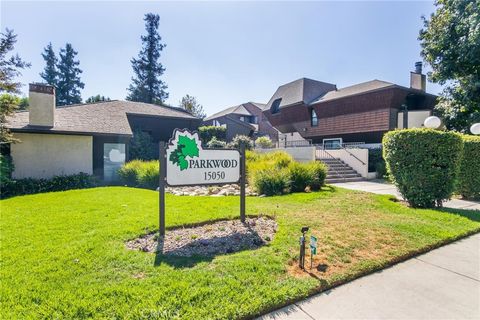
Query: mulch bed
[(210, 239)]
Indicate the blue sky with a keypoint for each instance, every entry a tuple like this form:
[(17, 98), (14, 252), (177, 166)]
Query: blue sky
[(226, 53)]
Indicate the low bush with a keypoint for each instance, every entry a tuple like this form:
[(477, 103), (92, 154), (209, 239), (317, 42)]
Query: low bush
[(263, 142), (207, 133), (423, 164), (59, 183), (468, 184), (240, 139), (271, 181), (215, 143), (299, 177), (318, 171), (376, 163), (142, 174)]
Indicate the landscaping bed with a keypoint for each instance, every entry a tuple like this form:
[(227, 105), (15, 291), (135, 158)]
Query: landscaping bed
[(63, 254), (211, 239)]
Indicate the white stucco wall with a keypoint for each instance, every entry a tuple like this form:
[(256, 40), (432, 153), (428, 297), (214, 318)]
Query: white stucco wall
[(48, 155), (354, 163), (300, 154)]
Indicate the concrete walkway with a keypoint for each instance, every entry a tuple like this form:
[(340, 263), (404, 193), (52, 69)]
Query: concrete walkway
[(381, 187), (441, 284)]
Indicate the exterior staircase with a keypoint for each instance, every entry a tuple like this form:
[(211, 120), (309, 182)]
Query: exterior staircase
[(339, 171)]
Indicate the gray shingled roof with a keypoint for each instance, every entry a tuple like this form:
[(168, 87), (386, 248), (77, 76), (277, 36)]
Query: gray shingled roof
[(240, 109), (108, 117), (303, 90), (353, 90)]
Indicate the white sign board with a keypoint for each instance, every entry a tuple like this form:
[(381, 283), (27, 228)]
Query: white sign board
[(189, 164)]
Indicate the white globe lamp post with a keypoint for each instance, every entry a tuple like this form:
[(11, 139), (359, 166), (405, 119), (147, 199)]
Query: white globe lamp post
[(475, 128), (432, 122)]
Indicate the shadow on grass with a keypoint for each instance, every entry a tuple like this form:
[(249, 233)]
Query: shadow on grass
[(205, 250), (473, 215)]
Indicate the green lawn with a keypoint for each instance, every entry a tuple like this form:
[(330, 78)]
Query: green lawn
[(63, 253)]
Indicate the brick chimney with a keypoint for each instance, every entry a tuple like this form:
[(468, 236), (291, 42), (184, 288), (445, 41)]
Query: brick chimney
[(41, 105), (418, 80)]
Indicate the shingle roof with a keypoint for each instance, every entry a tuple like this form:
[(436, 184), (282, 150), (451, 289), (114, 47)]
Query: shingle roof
[(109, 117), (353, 90), (303, 90), (240, 109)]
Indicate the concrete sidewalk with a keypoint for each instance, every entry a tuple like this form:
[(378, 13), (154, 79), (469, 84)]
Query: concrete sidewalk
[(441, 284), (382, 187)]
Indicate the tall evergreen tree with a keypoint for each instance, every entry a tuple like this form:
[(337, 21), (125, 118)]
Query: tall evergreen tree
[(69, 83), (50, 74), (190, 104), (10, 66), (146, 84)]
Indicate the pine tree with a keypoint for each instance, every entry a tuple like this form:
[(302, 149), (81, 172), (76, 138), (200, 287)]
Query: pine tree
[(69, 83), (50, 74), (146, 84), (10, 67)]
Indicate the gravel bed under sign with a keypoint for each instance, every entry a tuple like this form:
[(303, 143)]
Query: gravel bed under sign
[(211, 239)]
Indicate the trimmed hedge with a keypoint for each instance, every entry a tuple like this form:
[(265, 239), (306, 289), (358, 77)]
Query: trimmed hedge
[(207, 133), (423, 164), (142, 174), (59, 183), (468, 184)]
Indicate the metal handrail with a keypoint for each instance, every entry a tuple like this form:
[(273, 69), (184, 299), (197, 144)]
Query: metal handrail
[(342, 147)]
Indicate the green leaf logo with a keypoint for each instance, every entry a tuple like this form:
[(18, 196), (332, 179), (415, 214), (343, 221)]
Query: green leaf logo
[(186, 147)]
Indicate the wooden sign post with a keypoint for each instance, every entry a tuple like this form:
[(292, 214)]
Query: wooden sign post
[(183, 162)]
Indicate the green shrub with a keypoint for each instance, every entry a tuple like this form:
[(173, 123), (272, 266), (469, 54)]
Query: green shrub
[(59, 183), (6, 169), (468, 184), (263, 142), (299, 177), (423, 164), (271, 181), (207, 133), (262, 161), (215, 143), (318, 172), (142, 174), (241, 139), (376, 163)]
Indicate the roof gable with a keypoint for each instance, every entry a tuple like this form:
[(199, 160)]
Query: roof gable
[(303, 90)]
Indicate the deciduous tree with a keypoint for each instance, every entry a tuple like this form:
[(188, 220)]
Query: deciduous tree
[(190, 104), (450, 43)]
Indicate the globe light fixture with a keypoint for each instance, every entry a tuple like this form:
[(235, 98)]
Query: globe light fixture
[(475, 128), (432, 122)]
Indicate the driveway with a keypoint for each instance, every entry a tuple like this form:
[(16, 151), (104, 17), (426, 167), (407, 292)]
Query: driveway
[(382, 187), (441, 284)]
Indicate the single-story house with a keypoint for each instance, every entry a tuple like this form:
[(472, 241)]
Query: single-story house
[(361, 113), (245, 119), (91, 138)]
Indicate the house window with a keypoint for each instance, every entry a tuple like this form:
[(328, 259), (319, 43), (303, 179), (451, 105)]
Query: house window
[(242, 118), (216, 123), (113, 159), (276, 106), (313, 118)]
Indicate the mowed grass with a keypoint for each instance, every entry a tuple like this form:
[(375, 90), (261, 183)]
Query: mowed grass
[(63, 254)]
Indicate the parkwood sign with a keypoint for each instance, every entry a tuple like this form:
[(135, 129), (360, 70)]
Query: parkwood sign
[(189, 164), (183, 162)]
